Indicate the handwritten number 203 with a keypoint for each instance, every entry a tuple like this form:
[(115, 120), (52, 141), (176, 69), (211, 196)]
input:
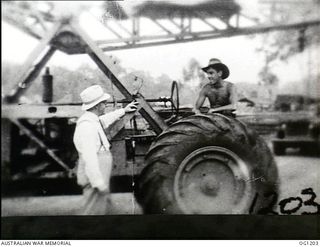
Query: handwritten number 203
[(272, 197)]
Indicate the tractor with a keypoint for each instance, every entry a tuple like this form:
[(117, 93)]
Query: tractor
[(184, 163)]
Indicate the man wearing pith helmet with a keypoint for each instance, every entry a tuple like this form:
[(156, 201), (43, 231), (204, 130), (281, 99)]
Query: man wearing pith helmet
[(91, 142), (220, 93)]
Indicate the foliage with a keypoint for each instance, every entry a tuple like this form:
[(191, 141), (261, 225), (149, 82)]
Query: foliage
[(68, 84), (192, 72), (113, 10), (161, 9), (282, 45), (268, 77)]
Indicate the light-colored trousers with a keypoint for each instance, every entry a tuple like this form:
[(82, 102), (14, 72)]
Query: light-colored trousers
[(94, 201)]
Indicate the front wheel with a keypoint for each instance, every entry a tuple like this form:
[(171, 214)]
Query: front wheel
[(207, 164)]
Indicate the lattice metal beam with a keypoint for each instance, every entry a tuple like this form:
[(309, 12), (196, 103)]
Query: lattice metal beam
[(106, 67), (30, 71), (153, 40), (26, 17), (129, 39), (68, 33)]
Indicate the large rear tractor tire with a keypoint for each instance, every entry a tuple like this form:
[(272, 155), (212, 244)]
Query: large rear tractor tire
[(208, 164)]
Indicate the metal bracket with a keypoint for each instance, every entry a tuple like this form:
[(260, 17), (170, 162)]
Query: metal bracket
[(41, 144)]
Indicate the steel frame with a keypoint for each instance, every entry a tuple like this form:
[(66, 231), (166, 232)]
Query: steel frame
[(183, 36), (129, 33), (41, 144), (30, 72)]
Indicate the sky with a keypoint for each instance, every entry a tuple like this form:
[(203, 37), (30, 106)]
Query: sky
[(238, 53)]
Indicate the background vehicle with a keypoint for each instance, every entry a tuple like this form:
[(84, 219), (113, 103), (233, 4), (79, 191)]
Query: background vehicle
[(299, 126), (297, 132)]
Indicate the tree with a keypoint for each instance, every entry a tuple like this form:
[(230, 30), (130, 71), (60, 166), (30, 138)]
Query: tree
[(67, 84), (281, 45), (192, 73), (268, 77)]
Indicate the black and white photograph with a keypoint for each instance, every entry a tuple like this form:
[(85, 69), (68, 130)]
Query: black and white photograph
[(136, 119)]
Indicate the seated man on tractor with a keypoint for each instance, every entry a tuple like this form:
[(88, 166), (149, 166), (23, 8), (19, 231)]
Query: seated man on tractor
[(221, 94)]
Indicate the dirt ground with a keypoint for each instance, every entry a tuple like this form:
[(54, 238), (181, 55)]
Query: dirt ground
[(122, 203), (296, 172)]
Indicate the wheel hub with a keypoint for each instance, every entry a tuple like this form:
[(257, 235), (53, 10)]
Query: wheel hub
[(212, 180), (210, 186)]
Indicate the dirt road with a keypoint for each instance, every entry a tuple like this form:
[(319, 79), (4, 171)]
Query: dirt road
[(297, 174)]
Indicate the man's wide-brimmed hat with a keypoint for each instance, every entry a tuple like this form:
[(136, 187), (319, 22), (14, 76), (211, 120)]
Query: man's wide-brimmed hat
[(219, 66), (92, 96)]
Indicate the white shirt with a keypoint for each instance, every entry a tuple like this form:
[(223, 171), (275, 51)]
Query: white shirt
[(90, 139)]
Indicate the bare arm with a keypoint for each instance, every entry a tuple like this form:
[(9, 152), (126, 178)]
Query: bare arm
[(200, 101), (233, 95)]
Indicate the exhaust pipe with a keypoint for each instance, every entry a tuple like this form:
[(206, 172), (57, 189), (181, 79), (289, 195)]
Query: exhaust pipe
[(47, 94)]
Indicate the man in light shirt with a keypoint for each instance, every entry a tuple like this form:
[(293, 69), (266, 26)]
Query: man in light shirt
[(95, 159)]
